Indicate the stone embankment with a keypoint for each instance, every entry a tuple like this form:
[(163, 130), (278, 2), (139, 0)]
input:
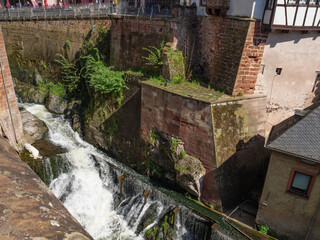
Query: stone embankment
[(28, 209)]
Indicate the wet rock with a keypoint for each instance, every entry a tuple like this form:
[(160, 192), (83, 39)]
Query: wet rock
[(28, 93), (164, 229), (56, 104), (72, 112), (33, 127), (36, 78), (189, 171), (147, 218), (179, 167)]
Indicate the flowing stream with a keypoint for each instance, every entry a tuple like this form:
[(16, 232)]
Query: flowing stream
[(86, 181)]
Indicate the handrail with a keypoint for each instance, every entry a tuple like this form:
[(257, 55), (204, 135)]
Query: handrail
[(87, 11)]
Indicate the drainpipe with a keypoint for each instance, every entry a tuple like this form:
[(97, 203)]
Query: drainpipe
[(5, 89), (312, 221), (253, 8)]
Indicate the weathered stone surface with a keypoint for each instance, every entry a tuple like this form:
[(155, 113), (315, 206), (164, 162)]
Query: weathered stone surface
[(73, 113), (36, 78), (168, 152), (55, 104), (34, 129), (189, 171), (28, 209), (173, 63), (29, 93)]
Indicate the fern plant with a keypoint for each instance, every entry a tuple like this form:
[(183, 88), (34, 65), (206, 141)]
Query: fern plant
[(154, 57), (70, 73), (103, 79)]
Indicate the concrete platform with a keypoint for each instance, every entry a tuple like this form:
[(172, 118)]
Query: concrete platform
[(28, 209)]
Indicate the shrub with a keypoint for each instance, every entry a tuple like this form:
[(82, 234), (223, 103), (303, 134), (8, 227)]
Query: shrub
[(103, 79), (263, 228), (154, 57), (70, 73)]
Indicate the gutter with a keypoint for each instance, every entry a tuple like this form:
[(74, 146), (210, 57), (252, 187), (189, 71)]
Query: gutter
[(294, 155)]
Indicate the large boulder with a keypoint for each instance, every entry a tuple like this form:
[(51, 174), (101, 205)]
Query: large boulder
[(36, 78), (34, 129), (189, 171), (184, 170), (56, 104)]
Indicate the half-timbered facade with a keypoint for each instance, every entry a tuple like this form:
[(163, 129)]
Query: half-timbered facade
[(292, 14)]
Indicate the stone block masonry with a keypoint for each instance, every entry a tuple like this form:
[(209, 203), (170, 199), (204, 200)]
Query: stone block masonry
[(9, 112), (229, 52), (227, 136)]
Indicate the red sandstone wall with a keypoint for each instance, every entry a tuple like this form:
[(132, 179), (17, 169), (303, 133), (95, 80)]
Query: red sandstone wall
[(229, 52), (187, 118), (250, 60), (4, 109), (130, 35), (227, 136), (191, 121)]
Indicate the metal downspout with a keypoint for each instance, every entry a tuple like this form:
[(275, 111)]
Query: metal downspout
[(5, 89), (312, 221)]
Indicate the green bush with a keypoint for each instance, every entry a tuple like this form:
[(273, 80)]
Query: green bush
[(58, 89), (154, 57), (70, 73), (263, 228), (103, 79)]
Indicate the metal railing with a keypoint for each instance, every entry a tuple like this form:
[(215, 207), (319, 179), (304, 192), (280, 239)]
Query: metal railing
[(80, 11)]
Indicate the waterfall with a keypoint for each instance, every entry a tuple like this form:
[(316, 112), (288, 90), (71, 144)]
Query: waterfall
[(87, 183)]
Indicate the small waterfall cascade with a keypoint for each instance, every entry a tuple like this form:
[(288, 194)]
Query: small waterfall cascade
[(109, 199)]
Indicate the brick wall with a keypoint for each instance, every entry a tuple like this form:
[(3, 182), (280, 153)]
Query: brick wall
[(250, 60), (227, 137), (219, 4), (229, 52), (9, 98)]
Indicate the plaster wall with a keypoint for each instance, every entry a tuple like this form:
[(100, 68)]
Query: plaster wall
[(284, 213), (245, 8), (296, 87)]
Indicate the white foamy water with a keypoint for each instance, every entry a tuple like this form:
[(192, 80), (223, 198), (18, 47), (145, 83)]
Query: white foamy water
[(81, 189)]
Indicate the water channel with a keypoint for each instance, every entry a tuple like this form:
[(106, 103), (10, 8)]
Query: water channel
[(86, 181)]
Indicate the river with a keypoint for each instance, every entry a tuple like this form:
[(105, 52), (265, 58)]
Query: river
[(87, 183)]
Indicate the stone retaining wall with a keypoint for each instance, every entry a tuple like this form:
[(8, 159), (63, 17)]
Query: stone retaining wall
[(217, 133)]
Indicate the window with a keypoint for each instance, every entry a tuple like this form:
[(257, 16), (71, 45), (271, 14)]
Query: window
[(300, 183), (203, 2), (292, 1), (270, 4)]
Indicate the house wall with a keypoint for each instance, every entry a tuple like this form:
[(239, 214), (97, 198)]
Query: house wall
[(296, 54), (284, 213), (245, 8), (12, 122)]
